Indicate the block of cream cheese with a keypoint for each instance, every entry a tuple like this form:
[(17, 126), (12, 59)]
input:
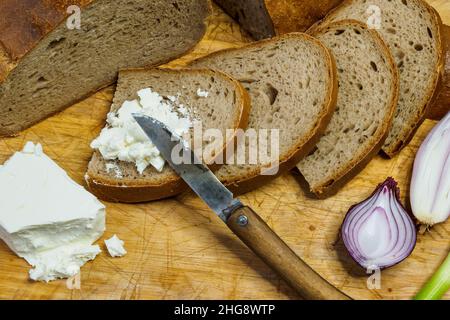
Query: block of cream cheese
[(115, 247), (45, 217)]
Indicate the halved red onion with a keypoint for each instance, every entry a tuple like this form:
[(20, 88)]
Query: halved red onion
[(378, 232), (430, 183)]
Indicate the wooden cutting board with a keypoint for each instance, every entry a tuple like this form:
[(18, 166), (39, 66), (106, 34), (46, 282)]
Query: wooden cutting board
[(178, 249)]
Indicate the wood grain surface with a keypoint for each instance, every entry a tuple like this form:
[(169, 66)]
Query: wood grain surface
[(270, 248), (178, 249)]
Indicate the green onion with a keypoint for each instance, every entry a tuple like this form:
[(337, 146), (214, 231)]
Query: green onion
[(438, 285)]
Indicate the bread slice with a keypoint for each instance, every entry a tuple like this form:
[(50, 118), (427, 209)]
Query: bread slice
[(267, 18), (367, 97), (292, 83), (46, 66), (412, 31), (226, 107)]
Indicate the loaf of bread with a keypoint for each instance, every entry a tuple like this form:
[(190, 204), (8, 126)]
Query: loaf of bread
[(48, 62), (367, 97), (413, 32), (266, 18), (292, 84), (224, 105)]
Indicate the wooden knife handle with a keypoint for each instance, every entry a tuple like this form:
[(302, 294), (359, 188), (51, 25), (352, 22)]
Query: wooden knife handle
[(258, 236)]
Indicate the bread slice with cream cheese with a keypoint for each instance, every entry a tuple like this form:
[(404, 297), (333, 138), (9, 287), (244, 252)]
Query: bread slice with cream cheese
[(207, 96)]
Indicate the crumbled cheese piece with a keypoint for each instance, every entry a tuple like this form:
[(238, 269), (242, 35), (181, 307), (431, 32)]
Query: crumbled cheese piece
[(202, 93), (174, 98), (62, 262), (124, 140), (115, 247), (45, 217)]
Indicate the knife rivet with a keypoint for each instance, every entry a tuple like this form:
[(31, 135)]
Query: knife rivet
[(242, 220)]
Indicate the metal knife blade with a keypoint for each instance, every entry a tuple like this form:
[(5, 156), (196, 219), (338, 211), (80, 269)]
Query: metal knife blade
[(195, 174)]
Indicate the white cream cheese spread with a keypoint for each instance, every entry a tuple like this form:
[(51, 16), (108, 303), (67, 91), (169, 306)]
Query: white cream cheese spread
[(115, 247), (45, 217), (122, 139)]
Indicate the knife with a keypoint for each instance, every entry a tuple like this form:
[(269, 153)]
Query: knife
[(242, 220)]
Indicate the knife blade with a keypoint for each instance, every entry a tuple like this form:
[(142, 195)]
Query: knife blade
[(197, 175), (242, 220)]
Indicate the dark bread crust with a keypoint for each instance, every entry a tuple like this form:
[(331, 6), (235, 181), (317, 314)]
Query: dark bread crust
[(298, 16), (134, 193), (442, 104), (114, 190), (31, 21), (437, 83), (252, 15), (254, 179), (24, 22), (268, 18), (352, 169)]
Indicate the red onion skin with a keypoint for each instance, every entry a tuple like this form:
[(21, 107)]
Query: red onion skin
[(391, 184)]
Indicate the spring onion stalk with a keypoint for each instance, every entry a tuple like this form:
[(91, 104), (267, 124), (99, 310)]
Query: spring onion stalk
[(438, 284)]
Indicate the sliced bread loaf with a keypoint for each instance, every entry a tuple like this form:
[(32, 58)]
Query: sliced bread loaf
[(292, 84), (367, 97), (225, 106), (412, 31), (47, 64)]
